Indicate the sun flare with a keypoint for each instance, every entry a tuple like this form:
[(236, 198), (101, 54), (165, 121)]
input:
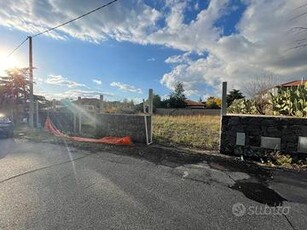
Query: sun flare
[(9, 63)]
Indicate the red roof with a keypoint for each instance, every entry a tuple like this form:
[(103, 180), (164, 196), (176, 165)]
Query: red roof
[(193, 103), (294, 83)]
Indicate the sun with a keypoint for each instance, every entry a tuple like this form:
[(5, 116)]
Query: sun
[(9, 63)]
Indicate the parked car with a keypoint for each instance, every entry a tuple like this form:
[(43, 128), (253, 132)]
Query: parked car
[(6, 126)]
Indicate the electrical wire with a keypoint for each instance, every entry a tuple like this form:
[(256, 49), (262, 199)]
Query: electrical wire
[(13, 51), (72, 20), (301, 6), (65, 23)]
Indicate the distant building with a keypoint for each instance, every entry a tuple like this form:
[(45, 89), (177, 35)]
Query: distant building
[(194, 104), (293, 83), (91, 105)]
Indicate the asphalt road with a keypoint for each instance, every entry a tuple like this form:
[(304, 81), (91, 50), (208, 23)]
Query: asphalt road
[(46, 186)]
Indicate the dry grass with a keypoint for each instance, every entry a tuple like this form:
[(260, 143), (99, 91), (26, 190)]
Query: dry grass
[(195, 131)]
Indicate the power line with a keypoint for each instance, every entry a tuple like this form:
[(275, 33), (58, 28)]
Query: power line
[(298, 16), (301, 6), (65, 23), (13, 51), (298, 46), (300, 28), (72, 20)]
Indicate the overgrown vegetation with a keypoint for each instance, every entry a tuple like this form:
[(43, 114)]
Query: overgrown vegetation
[(286, 160), (15, 94), (291, 101), (189, 131), (213, 103), (242, 106)]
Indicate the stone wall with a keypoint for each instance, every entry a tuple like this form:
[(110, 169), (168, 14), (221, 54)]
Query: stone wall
[(250, 134), (178, 112), (123, 125), (62, 120), (117, 125)]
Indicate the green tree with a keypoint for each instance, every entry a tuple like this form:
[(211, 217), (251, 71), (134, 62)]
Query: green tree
[(177, 98), (213, 103), (15, 86), (15, 90), (157, 103), (234, 95)]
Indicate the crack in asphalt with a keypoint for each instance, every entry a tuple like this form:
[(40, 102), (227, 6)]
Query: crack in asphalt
[(292, 226), (60, 163), (231, 178), (46, 167)]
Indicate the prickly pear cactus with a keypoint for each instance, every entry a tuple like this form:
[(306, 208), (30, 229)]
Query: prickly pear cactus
[(290, 101), (242, 106)]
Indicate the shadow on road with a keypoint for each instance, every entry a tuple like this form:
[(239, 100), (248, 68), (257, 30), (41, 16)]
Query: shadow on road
[(5, 146)]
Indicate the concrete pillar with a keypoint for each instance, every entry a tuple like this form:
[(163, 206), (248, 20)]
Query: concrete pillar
[(224, 99), (101, 104), (75, 122), (80, 123), (150, 101), (53, 104), (144, 107), (37, 115)]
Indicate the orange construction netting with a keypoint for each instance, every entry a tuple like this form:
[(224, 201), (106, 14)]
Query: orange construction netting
[(105, 140)]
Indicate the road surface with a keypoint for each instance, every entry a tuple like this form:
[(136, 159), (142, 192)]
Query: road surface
[(48, 186)]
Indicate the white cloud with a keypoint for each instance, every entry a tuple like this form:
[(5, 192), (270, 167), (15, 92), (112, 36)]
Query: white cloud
[(62, 81), (194, 73), (123, 20), (151, 59), (126, 87), (176, 59), (98, 82), (262, 43)]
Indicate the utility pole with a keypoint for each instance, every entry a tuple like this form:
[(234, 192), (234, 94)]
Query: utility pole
[(31, 107)]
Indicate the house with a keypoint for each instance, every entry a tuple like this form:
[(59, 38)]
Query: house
[(266, 94), (293, 83), (194, 104), (290, 84), (90, 105)]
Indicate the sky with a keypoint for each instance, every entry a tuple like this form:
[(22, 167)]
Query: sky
[(124, 49)]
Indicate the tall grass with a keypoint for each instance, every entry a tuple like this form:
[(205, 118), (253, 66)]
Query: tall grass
[(195, 131)]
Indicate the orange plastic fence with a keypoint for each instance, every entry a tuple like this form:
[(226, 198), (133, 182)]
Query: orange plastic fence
[(105, 140)]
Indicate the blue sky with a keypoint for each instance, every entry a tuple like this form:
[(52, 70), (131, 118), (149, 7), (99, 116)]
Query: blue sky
[(127, 48)]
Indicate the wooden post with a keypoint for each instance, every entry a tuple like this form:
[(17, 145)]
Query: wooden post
[(224, 99)]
